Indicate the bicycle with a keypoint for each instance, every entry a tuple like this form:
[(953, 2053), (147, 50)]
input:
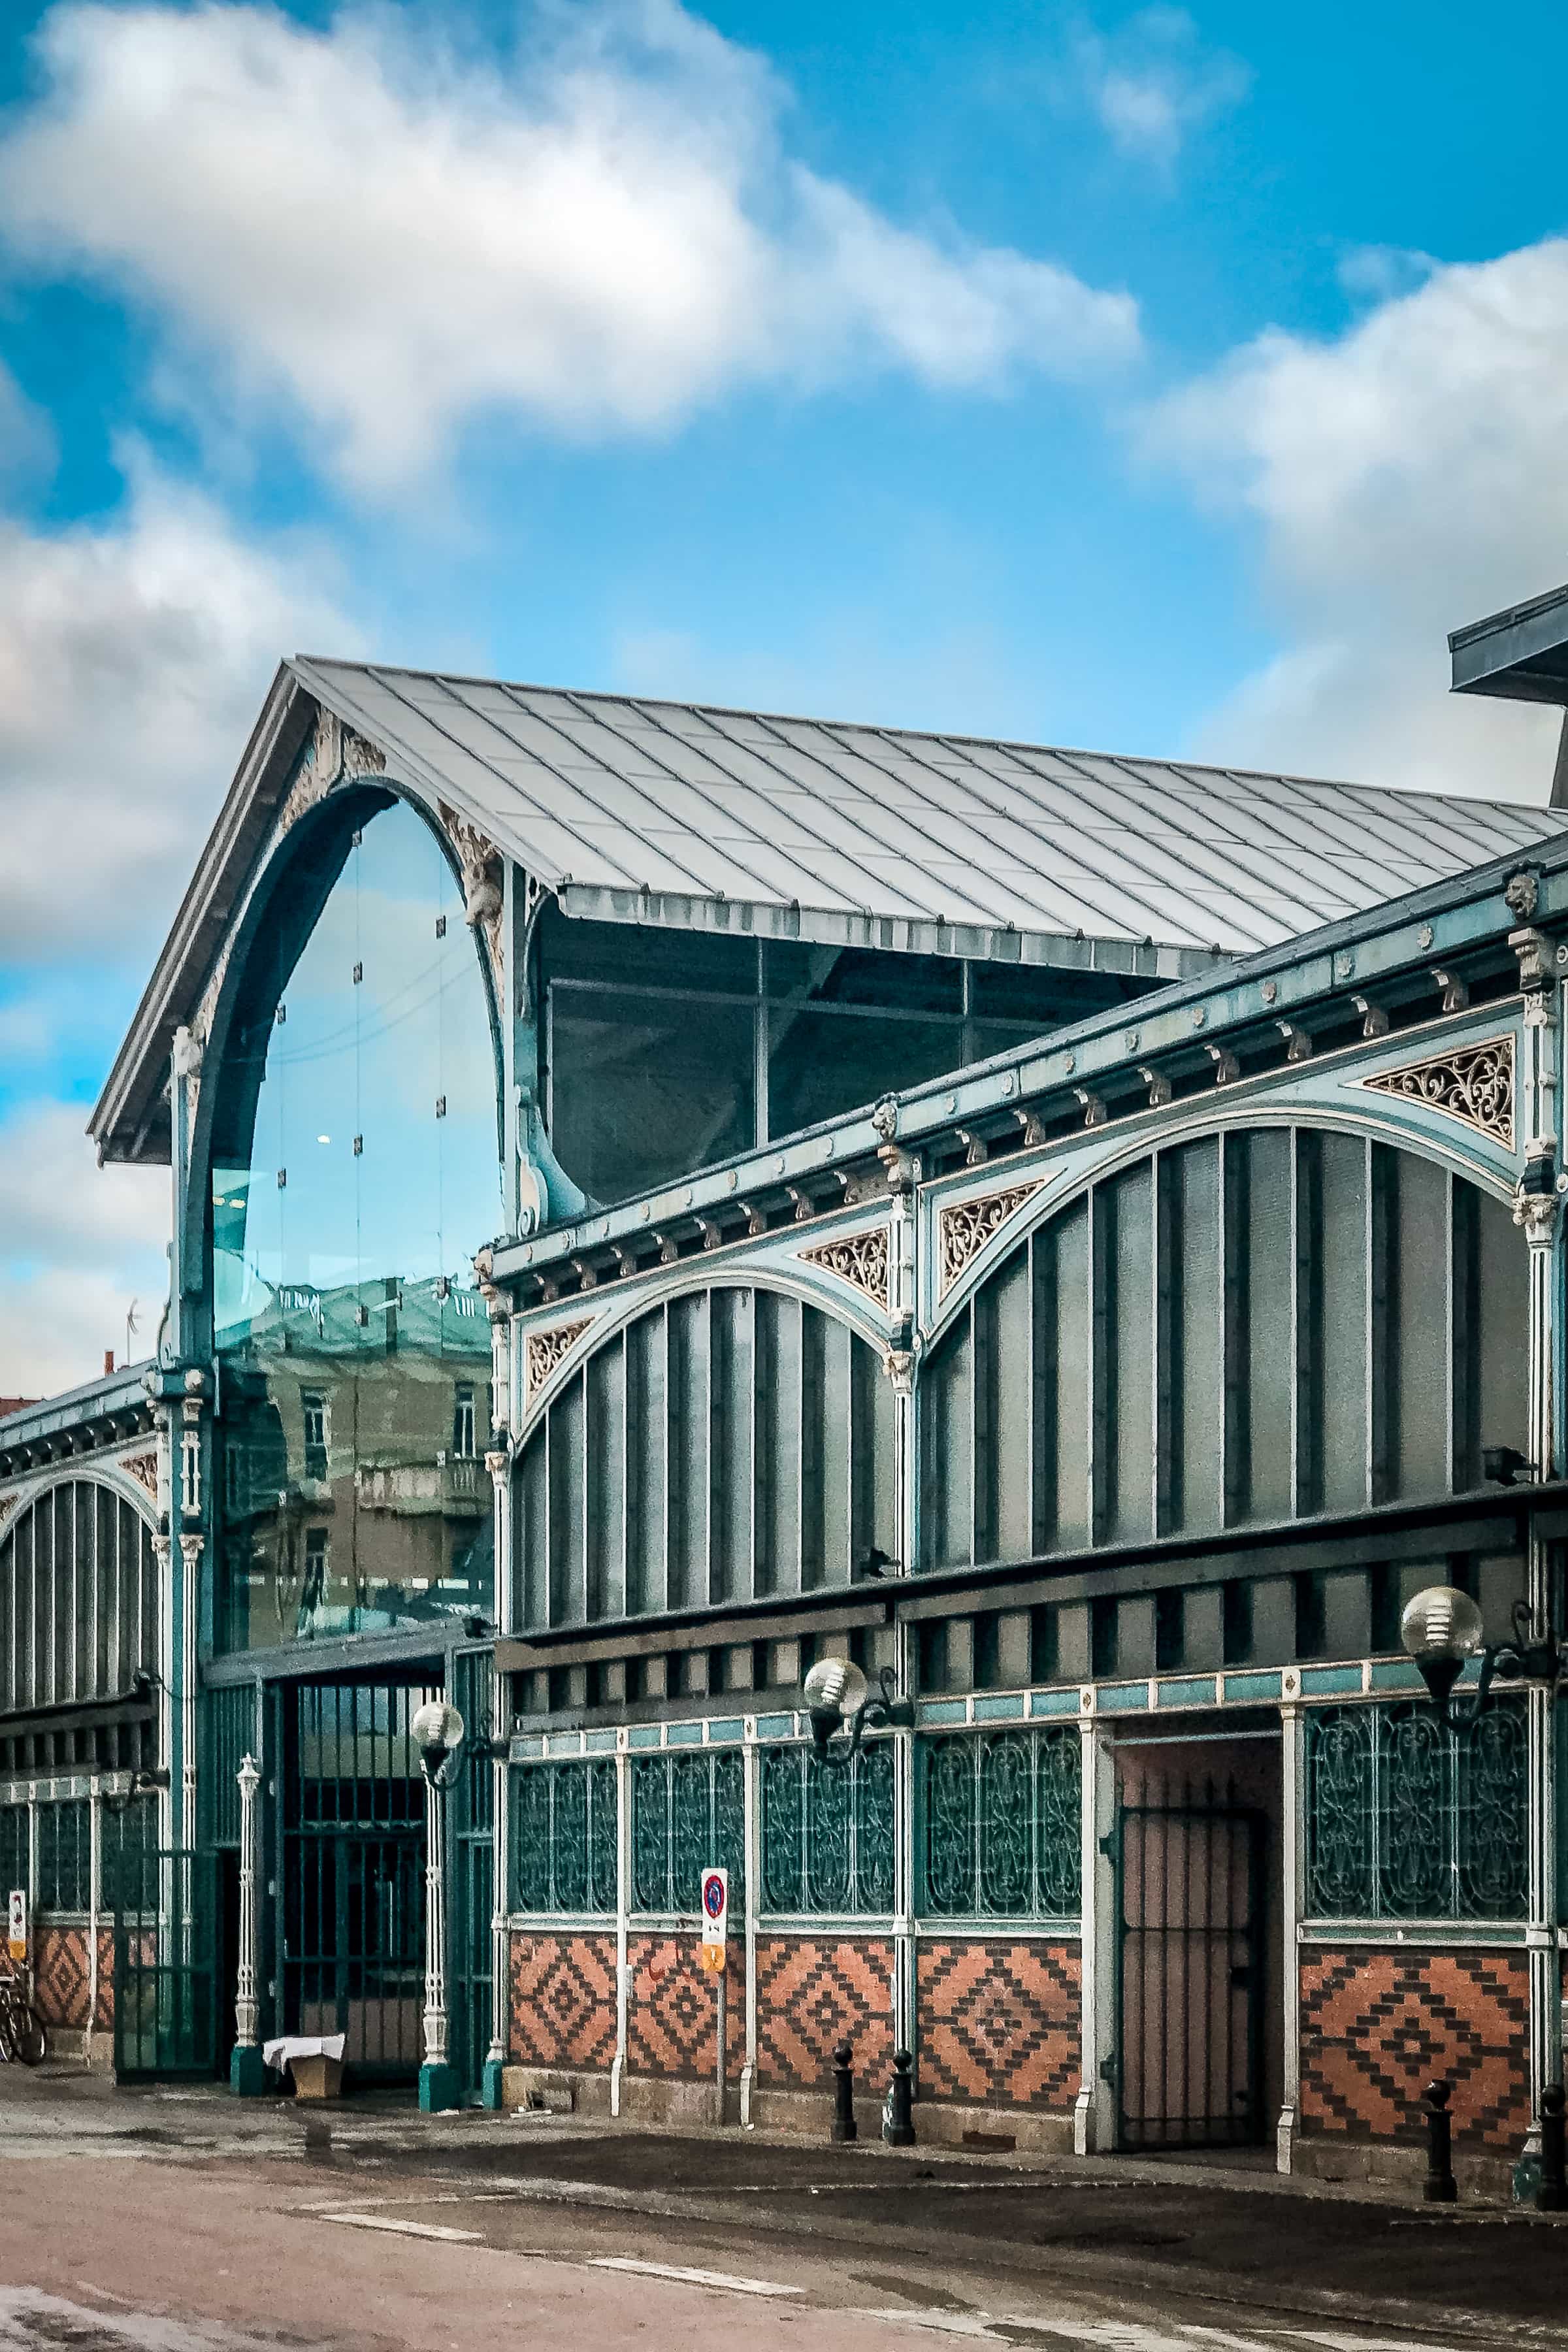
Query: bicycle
[(23, 2041)]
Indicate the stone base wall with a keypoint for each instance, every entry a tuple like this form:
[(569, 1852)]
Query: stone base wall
[(1000, 2023), (62, 1979), (1378, 2026)]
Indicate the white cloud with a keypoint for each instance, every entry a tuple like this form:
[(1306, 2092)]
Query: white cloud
[(77, 1244), (594, 238), (1404, 478), (1151, 84), (134, 658)]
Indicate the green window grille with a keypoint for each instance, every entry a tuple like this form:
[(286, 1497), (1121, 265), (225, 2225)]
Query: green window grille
[(1001, 1825), (12, 1847), (130, 1860), (65, 1856), (564, 1838), (828, 1833), (1411, 1818), (689, 1813)]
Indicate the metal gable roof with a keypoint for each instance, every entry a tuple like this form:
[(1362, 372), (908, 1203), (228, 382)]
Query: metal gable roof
[(848, 836), (615, 801)]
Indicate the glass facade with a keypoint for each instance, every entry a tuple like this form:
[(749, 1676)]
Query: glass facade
[(356, 1173), (667, 1051)]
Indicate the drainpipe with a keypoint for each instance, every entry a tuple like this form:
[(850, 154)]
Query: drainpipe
[(752, 1835), (94, 1907)]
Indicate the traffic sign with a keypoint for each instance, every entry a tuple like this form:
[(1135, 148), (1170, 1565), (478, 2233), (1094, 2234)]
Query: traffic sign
[(715, 1909), (18, 1926)]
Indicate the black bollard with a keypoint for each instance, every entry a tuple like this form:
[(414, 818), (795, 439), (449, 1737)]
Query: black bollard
[(1440, 2187), (898, 2112), (843, 2092), (1551, 2192)]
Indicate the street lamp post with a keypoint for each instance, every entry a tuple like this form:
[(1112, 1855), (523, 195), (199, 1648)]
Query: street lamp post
[(247, 2071), (843, 1708), (438, 1729), (1441, 1629)]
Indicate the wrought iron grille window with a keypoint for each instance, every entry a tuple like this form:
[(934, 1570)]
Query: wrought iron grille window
[(828, 1833), (1001, 1824), (563, 1844), (12, 1846), (689, 1813), (1408, 1818), (65, 1856)]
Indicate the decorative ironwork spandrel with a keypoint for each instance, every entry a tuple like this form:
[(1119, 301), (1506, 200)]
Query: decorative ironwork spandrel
[(542, 1351), (1473, 1084), (963, 1230), (859, 1259)]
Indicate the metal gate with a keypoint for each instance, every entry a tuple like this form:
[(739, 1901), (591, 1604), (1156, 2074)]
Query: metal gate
[(1190, 1980), (165, 1907), (352, 1888)]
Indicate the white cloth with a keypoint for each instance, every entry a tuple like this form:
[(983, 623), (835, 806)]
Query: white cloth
[(303, 2045)]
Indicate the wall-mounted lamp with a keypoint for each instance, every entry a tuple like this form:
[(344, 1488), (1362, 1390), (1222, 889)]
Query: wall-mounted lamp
[(843, 1708), (438, 1732), (1442, 1631)]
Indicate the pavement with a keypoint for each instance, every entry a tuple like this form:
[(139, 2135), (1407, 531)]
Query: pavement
[(166, 2220)]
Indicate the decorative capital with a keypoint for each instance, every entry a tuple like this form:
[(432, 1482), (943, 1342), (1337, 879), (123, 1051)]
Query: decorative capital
[(1537, 1212), (496, 1464), (1533, 953), (900, 1365), (191, 1549)]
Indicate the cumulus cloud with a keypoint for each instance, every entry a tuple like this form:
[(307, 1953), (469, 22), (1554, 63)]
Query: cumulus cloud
[(134, 658), (1152, 83), (1405, 478), (77, 1244), (595, 236)]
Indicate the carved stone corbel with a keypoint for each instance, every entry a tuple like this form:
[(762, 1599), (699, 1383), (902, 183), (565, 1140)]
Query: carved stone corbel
[(1159, 1087), (1374, 1018), (1095, 1113), (1532, 951), (1455, 995), (1226, 1068), (1298, 1041)]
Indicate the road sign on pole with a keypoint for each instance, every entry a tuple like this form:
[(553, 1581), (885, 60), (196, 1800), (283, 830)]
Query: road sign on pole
[(18, 1924), (715, 1930)]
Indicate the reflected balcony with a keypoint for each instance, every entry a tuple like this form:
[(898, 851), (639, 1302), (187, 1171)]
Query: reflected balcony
[(443, 1488)]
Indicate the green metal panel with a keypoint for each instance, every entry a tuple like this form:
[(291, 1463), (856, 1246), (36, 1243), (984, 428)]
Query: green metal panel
[(471, 1824), (826, 1833), (1000, 1825), (166, 1994), (231, 1735), (688, 1814), (1273, 1324), (1410, 1818), (65, 1856), (564, 1838)]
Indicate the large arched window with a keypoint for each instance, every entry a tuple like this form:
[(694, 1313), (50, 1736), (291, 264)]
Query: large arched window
[(356, 1173), (78, 1598)]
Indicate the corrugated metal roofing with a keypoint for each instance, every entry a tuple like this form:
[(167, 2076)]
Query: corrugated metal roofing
[(610, 799)]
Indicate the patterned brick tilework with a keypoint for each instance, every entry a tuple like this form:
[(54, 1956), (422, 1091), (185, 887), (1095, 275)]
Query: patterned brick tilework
[(1000, 2023), (563, 2001), (1377, 2027), (61, 1975), (813, 1991), (672, 2028)]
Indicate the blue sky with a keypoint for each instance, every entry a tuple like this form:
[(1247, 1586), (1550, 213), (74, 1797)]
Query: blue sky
[(1165, 380)]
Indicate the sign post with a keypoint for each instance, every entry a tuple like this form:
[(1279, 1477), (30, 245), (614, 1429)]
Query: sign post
[(18, 1924), (714, 1954)]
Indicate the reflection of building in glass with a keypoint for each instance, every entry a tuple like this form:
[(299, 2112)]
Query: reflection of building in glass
[(669, 1195), (353, 1500)]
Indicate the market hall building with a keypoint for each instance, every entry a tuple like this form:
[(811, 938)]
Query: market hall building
[(1075, 1237)]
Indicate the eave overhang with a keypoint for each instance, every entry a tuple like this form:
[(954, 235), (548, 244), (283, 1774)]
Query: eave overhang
[(1519, 654)]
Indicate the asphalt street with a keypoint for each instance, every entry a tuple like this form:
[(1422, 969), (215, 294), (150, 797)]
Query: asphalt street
[(166, 2221)]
